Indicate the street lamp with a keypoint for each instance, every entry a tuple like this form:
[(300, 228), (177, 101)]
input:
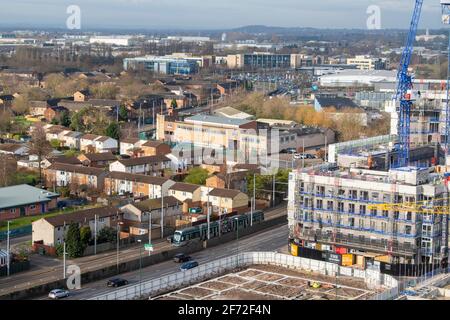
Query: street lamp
[(118, 241), (140, 267), (8, 250), (237, 238)]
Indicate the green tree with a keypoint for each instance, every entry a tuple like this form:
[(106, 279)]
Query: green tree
[(39, 145), (123, 113), (197, 176), (113, 130), (55, 143), (107, 235), (74, 245), (174, 104), (64, 119), (85, 235)]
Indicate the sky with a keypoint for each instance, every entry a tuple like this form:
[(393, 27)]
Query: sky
[(215, 14)]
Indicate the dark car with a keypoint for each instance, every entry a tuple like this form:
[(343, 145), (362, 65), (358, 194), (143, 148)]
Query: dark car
[(181, 257), (117, 282), (188, 265)]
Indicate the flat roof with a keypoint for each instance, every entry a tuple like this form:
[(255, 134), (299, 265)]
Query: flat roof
[(20, 195), (217, 120)]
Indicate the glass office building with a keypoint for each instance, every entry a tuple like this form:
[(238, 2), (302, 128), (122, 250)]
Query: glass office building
[(163, 65)]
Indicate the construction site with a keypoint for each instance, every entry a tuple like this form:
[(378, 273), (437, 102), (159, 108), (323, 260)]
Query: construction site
[(382, 202), (265, 282)]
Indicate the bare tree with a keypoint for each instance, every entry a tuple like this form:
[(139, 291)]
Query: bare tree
[(39, 145), (8, 169)]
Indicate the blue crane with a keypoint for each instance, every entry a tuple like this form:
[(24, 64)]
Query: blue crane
[(404, 93)]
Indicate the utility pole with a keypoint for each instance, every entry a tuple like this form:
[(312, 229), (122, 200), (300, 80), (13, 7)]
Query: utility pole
[(149, 230), (162, 214), (64, 251), (95, 234), (8, 250), (303, 155), (208, 216), (118, 241), (273, 191), (253, 206)]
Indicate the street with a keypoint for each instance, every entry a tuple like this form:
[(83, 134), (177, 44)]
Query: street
[(274, 239), (48, 269)]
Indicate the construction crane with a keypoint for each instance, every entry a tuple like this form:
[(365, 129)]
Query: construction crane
[(404, 90)]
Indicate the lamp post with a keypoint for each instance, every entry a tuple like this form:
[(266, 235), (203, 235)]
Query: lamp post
[(8, 250), (237, 238), (140, 267), (118, 241)]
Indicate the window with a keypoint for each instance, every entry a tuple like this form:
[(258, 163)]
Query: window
[(330, 205), (319, 204), (351, 222), (12, 210), (385, 213), (351, 208), (362, 209), (340, 207), (409, 216), (408, 229), (32, 207), (373, 212)]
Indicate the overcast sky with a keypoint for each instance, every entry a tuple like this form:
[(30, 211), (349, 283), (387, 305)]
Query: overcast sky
[(215, 14)]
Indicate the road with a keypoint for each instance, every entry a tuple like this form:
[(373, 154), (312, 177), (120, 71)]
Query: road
[(46, 269), (274, 239)]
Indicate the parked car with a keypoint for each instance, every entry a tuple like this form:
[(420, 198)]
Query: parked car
[(188, 265), (58, 294), (291, 150), (118, 282), (298, 156), (181, 257)]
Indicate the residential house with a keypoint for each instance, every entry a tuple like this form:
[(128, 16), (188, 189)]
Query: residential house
[(136, 184), (186, 192), (225, 201), (24, 200), (37, 108), (62, 175), (14, 149), (155, 148), (131, 146), (153, 165), (51, 231), (81, 96), (99, 160), (91, 143), (72, 140), (226, 88), (137, 215), (54, 112)]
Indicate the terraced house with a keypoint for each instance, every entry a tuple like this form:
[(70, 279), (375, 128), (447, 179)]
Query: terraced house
[(62, 175)]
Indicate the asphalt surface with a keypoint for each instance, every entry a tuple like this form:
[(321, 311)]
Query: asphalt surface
[(274, 239), (48, 269)]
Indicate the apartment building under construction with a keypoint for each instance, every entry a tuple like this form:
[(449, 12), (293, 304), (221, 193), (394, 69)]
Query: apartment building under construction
[(341, 210)]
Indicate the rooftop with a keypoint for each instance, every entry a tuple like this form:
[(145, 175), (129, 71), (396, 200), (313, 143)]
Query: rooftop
[(82, 216), (23, 194), (217, 120), (185, 187)]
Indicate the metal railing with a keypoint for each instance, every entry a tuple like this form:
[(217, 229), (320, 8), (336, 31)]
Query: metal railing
[(155, 287)]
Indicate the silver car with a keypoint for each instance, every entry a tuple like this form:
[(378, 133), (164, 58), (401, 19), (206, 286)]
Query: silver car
[(58, 294)]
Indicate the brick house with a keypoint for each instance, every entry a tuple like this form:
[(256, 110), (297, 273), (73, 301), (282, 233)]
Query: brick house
[(62, 175), (24, 200), (51, 231)]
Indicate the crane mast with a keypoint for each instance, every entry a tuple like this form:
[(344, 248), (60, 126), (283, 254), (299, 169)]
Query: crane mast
[(404, 93)]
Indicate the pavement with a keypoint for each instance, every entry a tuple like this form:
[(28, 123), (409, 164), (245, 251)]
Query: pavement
[(274, 239), (49, 269)]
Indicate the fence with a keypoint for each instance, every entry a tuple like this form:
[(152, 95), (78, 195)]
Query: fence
[(202, 272), (399, 289), (14, 233)]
